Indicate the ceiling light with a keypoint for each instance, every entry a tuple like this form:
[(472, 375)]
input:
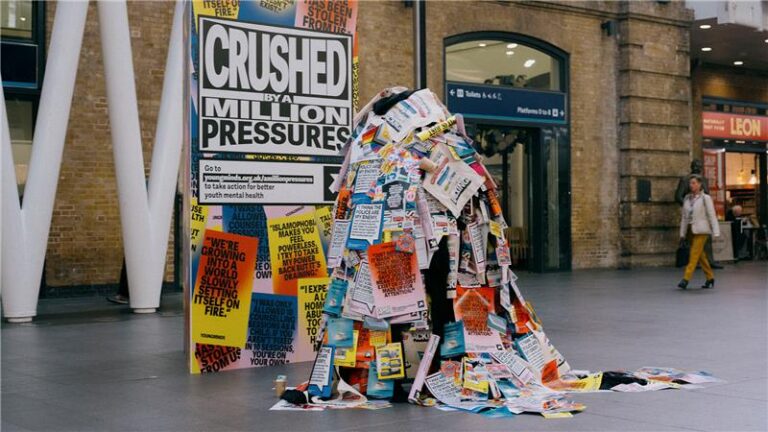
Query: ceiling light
[(706, 49), (705, 26), (23, 18), (753, 178), (766, 41), (482, 44), (514, 45), (510, 52), (738, 63), (528, 63)]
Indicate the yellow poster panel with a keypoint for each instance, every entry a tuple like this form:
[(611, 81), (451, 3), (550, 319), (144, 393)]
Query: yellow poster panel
[(197, 225), (345, 357), (221, 300), (324, 221), (311, 297), (216, 8), (295, 252)]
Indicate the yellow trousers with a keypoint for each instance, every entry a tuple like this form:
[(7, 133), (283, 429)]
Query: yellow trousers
[(698, 256)]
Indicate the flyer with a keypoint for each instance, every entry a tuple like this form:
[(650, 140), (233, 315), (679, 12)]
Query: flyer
[(389, 361), (324, 222), (452, 183), (530, 349), (367, 174), (321, 378), (310, 298), (443, 388), (453, 344), (477, 241), (414, 345), (295, 251), (335, 297), (475, 376), (366, 226), (421, 374), (221, 300), (338, 240), (397, 285), (362, 300), (497, 323), (340, 333), (472, 306), (367, 343), (347, 356), (378, 388)]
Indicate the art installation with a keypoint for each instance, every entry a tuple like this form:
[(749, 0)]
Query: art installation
[(421, 304)]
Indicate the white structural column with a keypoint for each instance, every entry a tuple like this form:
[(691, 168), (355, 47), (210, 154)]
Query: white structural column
[(145, 211), (25, 227)]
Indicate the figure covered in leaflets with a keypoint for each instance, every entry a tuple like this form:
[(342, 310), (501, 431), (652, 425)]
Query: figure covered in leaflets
[(422, 304)]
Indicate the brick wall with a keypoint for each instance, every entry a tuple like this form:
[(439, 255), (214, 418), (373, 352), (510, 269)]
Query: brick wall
[(575, 28), (654, 126), (85, 245), (622, 88)]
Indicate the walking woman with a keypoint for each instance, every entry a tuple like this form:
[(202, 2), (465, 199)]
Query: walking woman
[(699, 221)]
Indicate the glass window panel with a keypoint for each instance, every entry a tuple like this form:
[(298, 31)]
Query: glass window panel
[(21, 122), (502, 63), (16, 18)]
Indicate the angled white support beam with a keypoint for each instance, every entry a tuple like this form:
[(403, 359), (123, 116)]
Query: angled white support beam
[(25, 227), (145, 211)]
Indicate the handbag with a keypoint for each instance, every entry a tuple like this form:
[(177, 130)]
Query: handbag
[(683, 254)]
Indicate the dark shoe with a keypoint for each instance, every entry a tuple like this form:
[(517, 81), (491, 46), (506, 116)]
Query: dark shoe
[(710, 283), (683, 284)]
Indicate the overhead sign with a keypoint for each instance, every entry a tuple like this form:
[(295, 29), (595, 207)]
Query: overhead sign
[(734, 126), (506, 103)]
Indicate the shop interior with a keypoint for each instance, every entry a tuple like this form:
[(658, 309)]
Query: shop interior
[(743, 189)]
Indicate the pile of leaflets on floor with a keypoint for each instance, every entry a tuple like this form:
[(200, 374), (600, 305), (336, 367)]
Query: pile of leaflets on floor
[(422, 304)]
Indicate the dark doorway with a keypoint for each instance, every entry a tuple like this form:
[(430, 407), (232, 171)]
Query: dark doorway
[(528, 169)]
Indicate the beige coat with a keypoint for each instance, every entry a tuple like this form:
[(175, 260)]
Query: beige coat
[(699, 212)]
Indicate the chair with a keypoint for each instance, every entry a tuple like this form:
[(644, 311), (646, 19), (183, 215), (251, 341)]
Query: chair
[(760, 246)]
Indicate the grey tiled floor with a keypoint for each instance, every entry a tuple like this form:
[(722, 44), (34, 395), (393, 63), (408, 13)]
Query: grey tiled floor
[(87, 365)]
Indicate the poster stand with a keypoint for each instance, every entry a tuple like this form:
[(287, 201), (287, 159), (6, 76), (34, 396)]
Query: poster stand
[(270, 96)]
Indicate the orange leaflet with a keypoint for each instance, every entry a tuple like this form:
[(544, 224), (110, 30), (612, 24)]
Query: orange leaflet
[(549, 372), (397, 284)]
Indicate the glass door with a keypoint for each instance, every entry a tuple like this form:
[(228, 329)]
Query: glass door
[(532, 176), (508, 159)]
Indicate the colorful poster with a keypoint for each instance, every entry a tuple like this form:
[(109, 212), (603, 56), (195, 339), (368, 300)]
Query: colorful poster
[(397, 285), (295, 251), (472, 306), (214, 358), (272, 330), (335, 250), (327, 16), (324, 222), (389, 361), (263, 173), (714, 171), (222, 295), (362, 301), (366, 226), (311, 297), (251, 221)]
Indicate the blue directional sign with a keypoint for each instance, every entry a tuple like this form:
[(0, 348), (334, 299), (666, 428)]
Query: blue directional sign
[(506, 103)]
